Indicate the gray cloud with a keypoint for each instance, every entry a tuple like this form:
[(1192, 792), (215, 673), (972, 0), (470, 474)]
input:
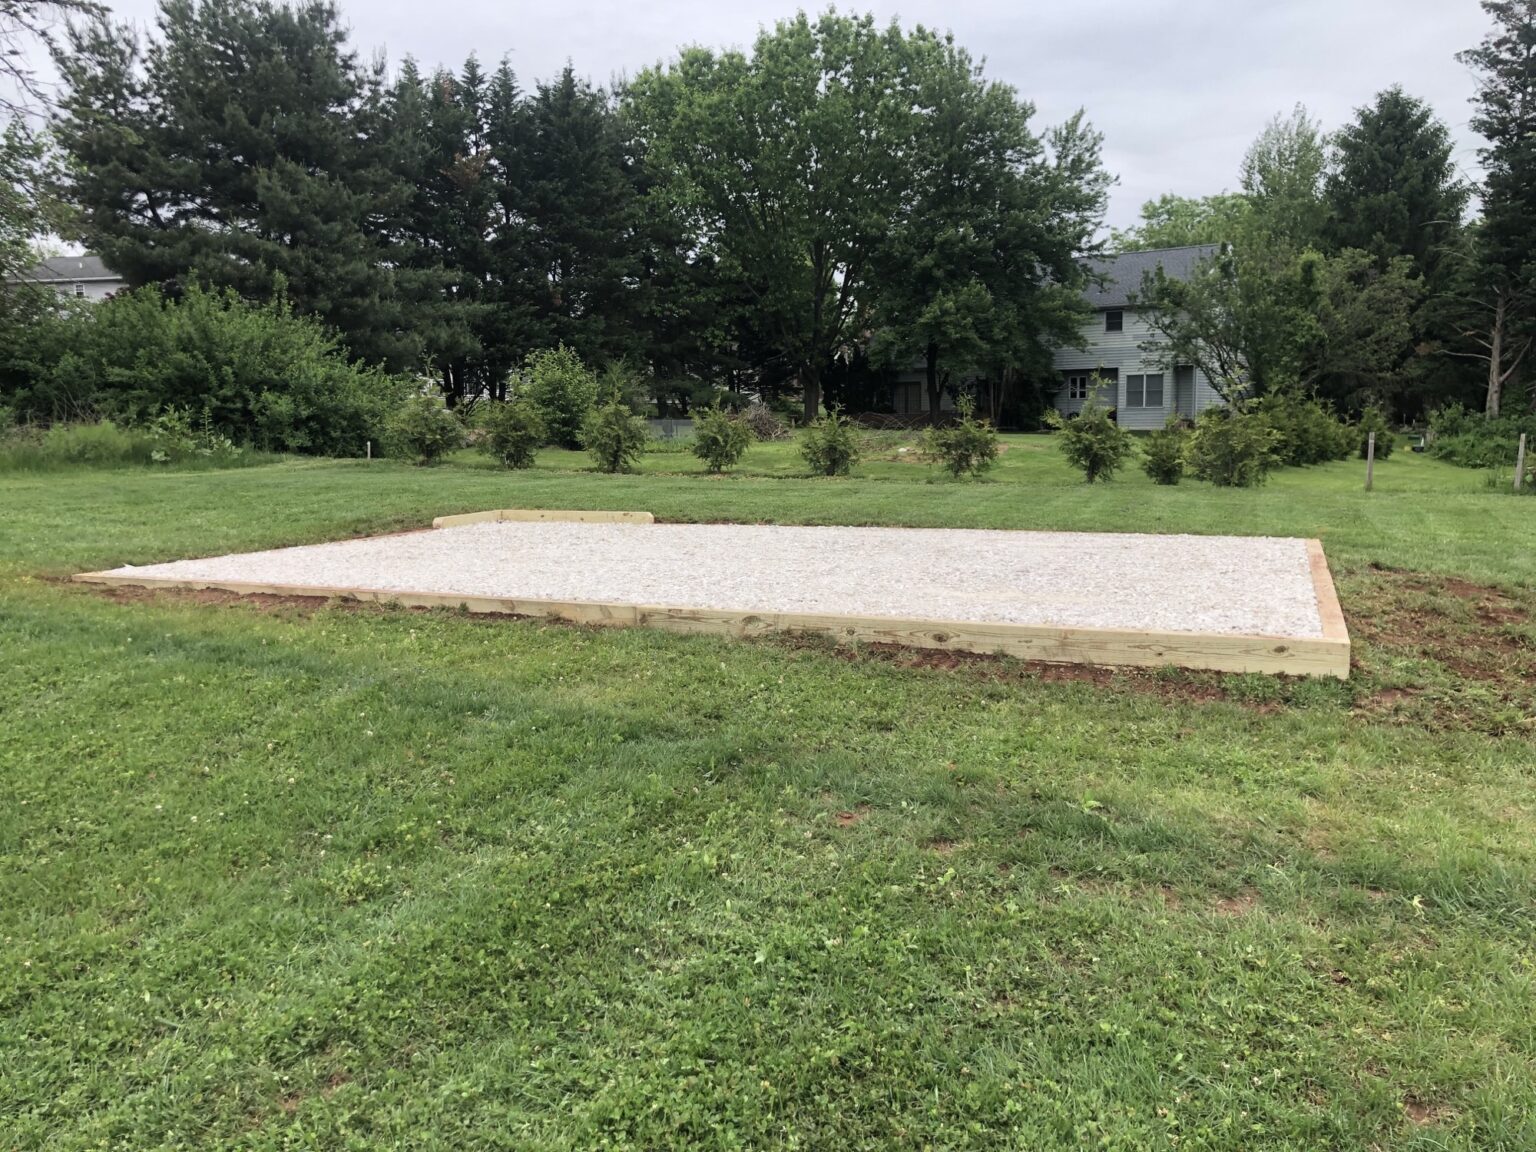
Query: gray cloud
[(1178, 87)]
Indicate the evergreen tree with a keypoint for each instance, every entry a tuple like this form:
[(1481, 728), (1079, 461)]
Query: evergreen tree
[(1392, 188), (241, 142), (580, 214), (439, 144), (1503, 287)]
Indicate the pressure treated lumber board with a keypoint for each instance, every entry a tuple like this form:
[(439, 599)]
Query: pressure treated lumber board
[(1296, 656), (528, 514)]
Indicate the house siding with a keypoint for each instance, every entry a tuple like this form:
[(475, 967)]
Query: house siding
[(1122, 352)]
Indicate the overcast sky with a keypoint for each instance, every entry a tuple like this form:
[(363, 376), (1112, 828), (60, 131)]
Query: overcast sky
[(1178, 87)]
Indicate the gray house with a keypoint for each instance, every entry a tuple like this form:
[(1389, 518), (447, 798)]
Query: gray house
[(82, 277), (1143, 392)]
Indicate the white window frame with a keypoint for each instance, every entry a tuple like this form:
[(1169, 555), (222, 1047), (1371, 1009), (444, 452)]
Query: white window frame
[(1140, 380), (1079, 385)]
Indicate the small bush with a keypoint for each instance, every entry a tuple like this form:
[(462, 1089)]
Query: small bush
[(1233, 447), (513, 431), (423, 431), (720, 439), (764, 423), (968, 447), (830, 445), (177, 439), (1163, 453), (563, 389), (615, 437), (1375, 420), (1092, 442), (1310, 431)]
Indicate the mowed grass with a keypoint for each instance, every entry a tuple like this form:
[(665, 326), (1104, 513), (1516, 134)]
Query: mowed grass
[(305, 876)]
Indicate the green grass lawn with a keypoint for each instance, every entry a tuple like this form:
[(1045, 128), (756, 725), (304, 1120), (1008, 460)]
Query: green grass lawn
[(295, 875)]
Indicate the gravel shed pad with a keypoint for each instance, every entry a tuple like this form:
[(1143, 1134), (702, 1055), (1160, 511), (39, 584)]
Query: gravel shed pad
[(1223, 585)]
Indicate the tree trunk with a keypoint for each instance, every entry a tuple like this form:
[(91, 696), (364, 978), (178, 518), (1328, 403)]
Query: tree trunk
[(931, 367), (810, 383), (1495, 361)]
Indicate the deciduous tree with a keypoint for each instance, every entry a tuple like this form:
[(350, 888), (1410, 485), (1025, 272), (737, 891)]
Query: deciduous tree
[(791, 162)]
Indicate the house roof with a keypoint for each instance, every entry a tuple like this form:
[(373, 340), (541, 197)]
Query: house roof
[(1122, 273), (68, 269)]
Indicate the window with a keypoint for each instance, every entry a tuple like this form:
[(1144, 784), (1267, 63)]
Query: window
[(1078, 384), (79, 291), (1144, 391), (1114, 321)]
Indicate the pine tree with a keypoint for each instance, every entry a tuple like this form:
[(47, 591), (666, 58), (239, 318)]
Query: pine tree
[(1392, 189), (580, 213), (1505, 281), (241, 142)]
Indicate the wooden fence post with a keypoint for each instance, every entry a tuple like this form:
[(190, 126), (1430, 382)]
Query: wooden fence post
[(1370, 460), (1520, 462)]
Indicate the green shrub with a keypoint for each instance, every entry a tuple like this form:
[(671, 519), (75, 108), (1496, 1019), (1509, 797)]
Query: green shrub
[(260, 374), (1163, 453), (171, 440), (830, 445), (1309, 429), (1233, 447), (176, 438), (512, 431), (615, 437), (1375, 420), (564, 391), (1471, 440), (968, 447), (720, 439), (7, 418), (423, 431), (1092, 442)]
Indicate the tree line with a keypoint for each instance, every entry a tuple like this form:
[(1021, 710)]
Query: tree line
[(795, 220), (1348, 263), (788, 220)]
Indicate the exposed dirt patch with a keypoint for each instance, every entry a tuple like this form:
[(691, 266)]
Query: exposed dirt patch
[(1421, 1112), (852, 816), (1442, 652), (1240, 904), (942, 847)]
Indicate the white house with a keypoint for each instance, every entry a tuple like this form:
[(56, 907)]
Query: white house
[(1143, 392), (83, 277)]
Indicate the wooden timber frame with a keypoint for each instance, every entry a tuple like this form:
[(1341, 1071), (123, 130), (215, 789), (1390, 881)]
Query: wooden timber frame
[(1327, 655), (528, 515)]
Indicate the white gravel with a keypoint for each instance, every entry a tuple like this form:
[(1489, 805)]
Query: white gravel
[(1215, 584)]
